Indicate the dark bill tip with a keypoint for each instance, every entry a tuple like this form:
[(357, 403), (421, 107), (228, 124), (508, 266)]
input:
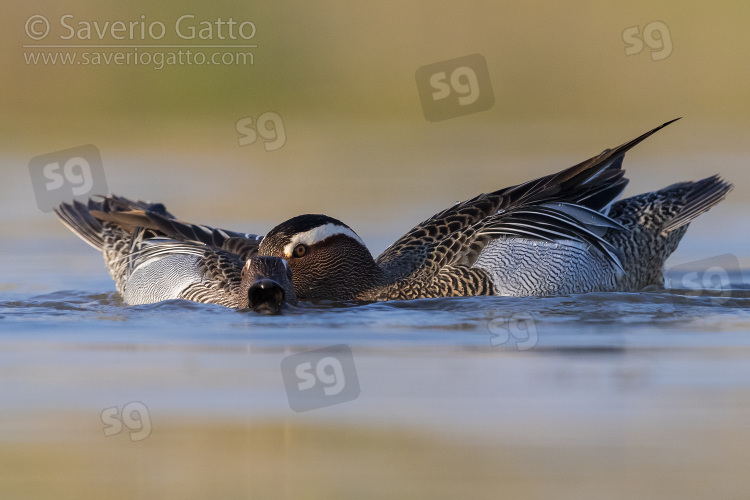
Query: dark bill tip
[(266, 297)]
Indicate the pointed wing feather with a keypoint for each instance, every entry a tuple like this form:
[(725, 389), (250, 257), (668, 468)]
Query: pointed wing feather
[(458, 233), (543, 222), (130, 215)]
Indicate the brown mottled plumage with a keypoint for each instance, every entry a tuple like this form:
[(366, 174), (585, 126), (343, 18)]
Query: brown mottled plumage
[(654, 225), (548, 236)]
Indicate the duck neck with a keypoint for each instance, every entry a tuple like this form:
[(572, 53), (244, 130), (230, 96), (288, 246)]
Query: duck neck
[(367, 277)]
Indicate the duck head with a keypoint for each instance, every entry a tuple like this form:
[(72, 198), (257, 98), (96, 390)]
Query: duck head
[(329, 261), (267, 284)]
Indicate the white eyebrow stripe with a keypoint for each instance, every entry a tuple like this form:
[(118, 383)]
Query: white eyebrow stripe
[(318, 234)]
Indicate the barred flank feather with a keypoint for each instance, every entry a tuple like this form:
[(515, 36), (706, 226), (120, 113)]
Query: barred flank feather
[(152, 256)]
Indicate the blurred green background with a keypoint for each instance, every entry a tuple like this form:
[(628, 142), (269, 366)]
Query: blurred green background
[(342, 77)]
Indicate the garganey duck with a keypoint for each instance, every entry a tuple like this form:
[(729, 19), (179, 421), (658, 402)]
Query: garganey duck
[(560, 234), (154, 257)]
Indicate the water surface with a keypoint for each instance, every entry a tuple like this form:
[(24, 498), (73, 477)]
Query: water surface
[(458, 396)]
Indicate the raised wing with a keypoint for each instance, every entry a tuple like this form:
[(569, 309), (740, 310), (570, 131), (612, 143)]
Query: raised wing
[(568, 205), (156, 221), (153, 256)]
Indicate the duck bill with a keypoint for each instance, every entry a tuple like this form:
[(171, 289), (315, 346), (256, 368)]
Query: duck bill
[(266, 296)]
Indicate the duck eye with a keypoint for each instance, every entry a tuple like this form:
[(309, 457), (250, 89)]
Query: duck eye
[(300, 250)]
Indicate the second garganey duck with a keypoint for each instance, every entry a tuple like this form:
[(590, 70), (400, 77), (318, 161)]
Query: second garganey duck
[(560, 234), (152, 257)]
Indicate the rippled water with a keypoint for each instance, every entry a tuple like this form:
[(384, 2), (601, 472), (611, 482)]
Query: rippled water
[(647, 390), (576, 321)]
